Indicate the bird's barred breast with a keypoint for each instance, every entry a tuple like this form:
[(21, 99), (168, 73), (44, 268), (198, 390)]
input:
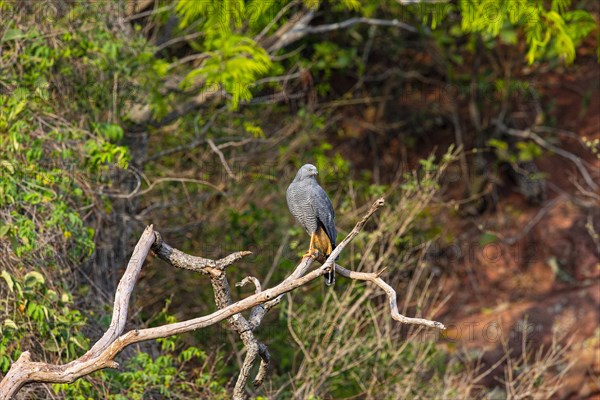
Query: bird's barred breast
[(298, 199)]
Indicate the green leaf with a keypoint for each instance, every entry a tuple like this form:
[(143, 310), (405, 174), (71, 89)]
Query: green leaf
[(112, 132), (9, 323), (32, 278), (8, 166), (255, 130), (12, 34), (509, 36), (4, 229), (4, 363), (52, 295), (498, 144), (8, 279), (579, 24), (77, 342), (528, 151), (487, 238), (51, 345)]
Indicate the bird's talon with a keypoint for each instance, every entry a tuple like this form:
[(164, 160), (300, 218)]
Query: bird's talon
[(314, 254)]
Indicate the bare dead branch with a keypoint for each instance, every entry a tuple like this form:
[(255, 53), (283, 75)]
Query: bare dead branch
[(102, 354), (353, 21), (280, 14), (179, 259), (529, 134), (407, 2), (391, 294), (136, 192), (131, 16), (298, 20), (265, 360), (179, 39), (142, 117), (199, 140), (239, 323), (254, 281), (301, 28), (123, 293), (222, 158)]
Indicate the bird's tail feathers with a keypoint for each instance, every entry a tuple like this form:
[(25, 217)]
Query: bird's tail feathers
[(330, 277)]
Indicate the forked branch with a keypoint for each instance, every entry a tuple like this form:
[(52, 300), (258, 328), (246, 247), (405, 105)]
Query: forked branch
[(103, 353)]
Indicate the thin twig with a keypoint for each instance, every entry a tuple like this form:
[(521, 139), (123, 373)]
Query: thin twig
[(183, 38), (280, 14), (222, 158), (194, 143), (253, 280), (531, 223), (529, 134), (147, 13), (137, 192), (191, 57)]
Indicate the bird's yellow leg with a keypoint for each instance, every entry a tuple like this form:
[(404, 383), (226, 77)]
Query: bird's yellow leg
[(311, 248)]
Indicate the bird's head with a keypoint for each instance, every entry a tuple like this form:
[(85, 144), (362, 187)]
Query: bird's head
[(306, 171)]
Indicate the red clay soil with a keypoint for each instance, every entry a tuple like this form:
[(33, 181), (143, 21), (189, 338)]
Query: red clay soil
[(549, 280)]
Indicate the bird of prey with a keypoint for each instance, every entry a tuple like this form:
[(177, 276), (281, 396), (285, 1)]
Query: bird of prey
[(311, 207)]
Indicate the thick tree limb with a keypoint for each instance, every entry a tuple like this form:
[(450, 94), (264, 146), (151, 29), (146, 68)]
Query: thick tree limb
[(222, 292), (124, 289), (103, 353), (179, 259)]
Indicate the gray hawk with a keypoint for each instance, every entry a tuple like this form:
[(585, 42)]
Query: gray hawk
[(311, 207)]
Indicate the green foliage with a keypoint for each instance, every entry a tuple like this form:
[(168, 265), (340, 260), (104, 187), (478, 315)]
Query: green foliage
[(165, 376), (332, 167), (180, 371), (528, 151), (223, 14), (38, 188), (49, 313), (338, 5), (329, 58), (59, 137), (522, 151), (169, 376), (234, 63), (549, 33), (432, 14), (48, 162)]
